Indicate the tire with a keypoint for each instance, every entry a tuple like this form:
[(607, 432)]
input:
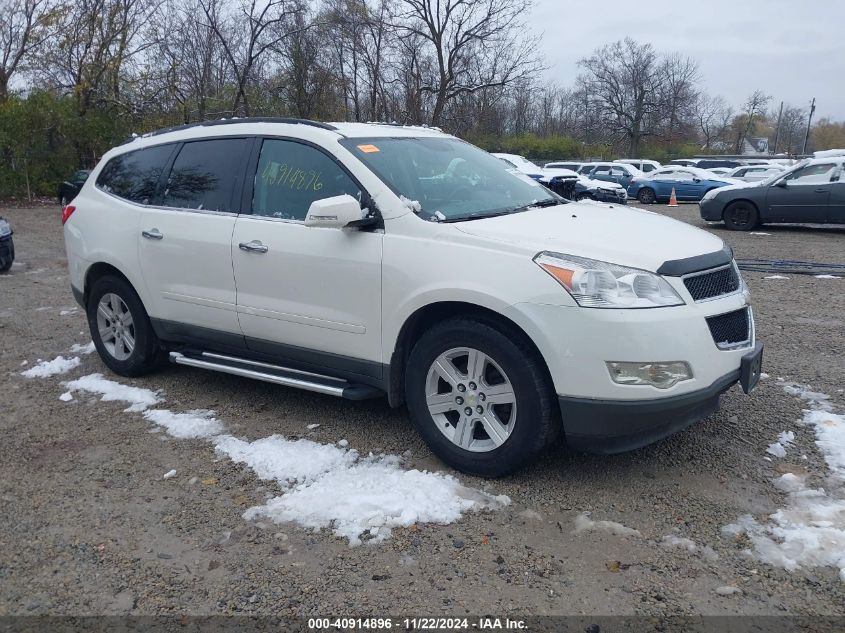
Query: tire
[(741, 216), (7, 255), (120, 298), (525, 418), (646, 195)]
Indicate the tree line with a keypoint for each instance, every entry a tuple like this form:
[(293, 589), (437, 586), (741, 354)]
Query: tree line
[(78, 77)]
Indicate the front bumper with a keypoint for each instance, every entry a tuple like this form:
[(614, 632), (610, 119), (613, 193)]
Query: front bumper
[(710, 210), (612, 426)]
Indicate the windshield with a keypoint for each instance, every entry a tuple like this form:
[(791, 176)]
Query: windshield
[(449, 179)]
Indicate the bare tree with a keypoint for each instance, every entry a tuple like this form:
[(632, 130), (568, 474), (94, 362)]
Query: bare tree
[(247, 34), (713, 117), (625, 80), (754, 106), (678, 93), (25, 26), (475, 44)]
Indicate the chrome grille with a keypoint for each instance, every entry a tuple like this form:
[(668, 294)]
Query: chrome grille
[(713, 283), (731, 330)]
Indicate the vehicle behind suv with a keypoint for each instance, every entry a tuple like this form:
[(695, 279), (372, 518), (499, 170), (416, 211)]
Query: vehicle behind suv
[(364, 260)]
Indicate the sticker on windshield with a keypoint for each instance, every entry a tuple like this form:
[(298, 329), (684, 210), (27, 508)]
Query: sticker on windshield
[(368, 149)]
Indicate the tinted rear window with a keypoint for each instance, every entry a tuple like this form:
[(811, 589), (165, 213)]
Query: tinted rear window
[(135, 175), (204, 175)]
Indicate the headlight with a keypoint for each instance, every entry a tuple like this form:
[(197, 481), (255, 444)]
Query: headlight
[(596, 284), (660, 375), (710, 194), (5, 228)]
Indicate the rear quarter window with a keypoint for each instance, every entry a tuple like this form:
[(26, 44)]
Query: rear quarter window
[(134, 176)]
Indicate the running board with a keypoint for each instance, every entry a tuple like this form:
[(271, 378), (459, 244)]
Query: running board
[(278, 375)]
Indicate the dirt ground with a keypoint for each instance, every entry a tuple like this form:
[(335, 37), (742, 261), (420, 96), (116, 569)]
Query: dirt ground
[(89, 526)]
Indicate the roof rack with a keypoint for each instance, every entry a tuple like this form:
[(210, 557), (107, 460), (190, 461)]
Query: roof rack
[(231, 121)]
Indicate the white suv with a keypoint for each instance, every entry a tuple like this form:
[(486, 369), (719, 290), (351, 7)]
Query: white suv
[(368, 260)]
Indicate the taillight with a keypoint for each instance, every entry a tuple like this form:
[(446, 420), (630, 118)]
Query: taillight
[(67, 211)]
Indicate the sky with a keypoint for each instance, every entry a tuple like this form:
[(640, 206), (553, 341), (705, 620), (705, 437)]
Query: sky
[(793, 50)]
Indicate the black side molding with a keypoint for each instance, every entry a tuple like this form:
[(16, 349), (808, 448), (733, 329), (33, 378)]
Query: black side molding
[(678, 267)]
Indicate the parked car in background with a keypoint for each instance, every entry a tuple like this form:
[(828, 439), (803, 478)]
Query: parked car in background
[(754, 173), (620, 173), (720, 171), (707, 163), (812, 191), (642, 164), (685, 162), (521, 164), (361, 260), (572, 165), (7, 246), (690, 184), (70, 187), (572, 186)]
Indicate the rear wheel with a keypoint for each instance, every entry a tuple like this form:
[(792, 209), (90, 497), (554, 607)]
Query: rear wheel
[(120, 328), (741, 216), (7, 255), (646, 195), (482, 404)]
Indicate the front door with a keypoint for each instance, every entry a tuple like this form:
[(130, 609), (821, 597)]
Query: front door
[(801, 195), (304, 294), (185, 243)]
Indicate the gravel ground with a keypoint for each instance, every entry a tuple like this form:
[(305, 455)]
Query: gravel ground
[(89, 526)]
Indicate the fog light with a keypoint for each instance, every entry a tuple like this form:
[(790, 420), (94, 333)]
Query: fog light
[(660, 375)]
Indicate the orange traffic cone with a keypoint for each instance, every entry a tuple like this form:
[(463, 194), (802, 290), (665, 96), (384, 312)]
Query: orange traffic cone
[(673, 200)]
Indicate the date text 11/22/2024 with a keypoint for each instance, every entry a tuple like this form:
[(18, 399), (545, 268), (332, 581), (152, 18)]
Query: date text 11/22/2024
[(485, 623)]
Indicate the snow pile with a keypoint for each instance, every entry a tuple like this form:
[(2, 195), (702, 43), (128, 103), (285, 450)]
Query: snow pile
[(778, 449), (583, 523), (76, 348), (670, 541), (776, 277), (326, 485), (47, 368), (111, 391), (359, 498), (810, 530), (198, 423), (826, 277)]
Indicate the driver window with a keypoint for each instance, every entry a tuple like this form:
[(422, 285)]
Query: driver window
[(665, 175), (812, 174), (291, 175), (683, 175)]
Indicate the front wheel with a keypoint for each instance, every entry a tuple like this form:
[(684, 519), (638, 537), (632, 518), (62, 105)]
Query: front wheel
[(741, 216), (647, 196), (121, 329), (482, 404)]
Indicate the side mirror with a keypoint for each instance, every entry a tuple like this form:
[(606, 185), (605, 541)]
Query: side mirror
[(781, 183), (334, 213)]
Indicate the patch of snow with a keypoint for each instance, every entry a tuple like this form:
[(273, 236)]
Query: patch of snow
[(413, 205), (311, 427), (583, 523), (47, 368), (76, 348), (776, 277), (826, 277), (778, 449), (764, 375), (170, 474), (672, 541), (728, 590), (67, 396), (332, 487), (343, 443), (810, 530), (198, 423), (110, 391), (67, 312), (759, 233)]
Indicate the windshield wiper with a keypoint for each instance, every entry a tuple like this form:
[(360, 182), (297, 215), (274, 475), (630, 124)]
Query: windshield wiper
[(549, 202)]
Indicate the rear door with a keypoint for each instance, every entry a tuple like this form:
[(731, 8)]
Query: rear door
[(801, 195), (185, 242), (306, 295), (836, 204)]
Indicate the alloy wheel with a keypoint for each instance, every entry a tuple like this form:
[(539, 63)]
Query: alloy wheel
[(116, 326), (470, 399)]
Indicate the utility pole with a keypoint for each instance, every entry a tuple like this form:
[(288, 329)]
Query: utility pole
[(809, 122), (777, 132)]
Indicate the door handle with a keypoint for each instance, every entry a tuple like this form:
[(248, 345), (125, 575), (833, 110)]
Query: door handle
[(821, 190), (153, 234), (254, 246)]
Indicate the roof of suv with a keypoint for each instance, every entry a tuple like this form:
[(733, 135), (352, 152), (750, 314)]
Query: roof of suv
[(267, 124)]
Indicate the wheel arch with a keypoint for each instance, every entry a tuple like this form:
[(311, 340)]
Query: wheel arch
[(426, 316), (98, 271), (733, 202)]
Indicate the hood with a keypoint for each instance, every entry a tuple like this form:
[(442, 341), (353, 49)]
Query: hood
[(620, 235), (556, 172), (739, 184), (596, 184)]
